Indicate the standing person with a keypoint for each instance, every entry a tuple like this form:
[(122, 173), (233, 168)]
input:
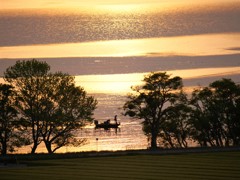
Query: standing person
[(115, 118)]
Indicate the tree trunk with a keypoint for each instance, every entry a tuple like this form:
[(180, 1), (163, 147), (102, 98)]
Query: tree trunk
[(34, 136), (4, 148), (153, 140), (35, 145), (49, 147)]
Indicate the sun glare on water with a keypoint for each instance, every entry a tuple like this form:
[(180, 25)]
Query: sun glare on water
[(123, 8), (122, 83), (111, 83)]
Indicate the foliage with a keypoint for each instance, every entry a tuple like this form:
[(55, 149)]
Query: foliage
[(174, 131), (51, 106), (29, 77), (151, 101), (211, 117), (10, 134), (67, 108), (216, 117)]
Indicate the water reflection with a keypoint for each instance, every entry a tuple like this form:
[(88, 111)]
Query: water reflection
[(33, 27), (121, 83), (114, 83), (197, 45)]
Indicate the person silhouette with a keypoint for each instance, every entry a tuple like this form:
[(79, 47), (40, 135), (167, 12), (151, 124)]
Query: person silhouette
[(115, 118)]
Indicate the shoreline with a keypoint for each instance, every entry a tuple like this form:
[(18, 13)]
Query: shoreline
[(15, 158)]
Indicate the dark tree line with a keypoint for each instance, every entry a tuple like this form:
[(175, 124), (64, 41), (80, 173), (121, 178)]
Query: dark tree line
[(38, 106), (210, 116), (216, 114)]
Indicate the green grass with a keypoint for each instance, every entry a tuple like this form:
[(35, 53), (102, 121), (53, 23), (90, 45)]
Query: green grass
[(221, 165)]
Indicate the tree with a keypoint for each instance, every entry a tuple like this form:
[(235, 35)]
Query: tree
[(201, 128), (66, 108), (216, 118), (151, 101), (227, 99), (51, 104), (9, 122), (174, 131), (29, 77)]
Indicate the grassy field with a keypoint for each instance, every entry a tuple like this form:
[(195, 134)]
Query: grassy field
[(221, 165)]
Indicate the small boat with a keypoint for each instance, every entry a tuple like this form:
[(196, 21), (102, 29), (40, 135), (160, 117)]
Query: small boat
[(106, 124)]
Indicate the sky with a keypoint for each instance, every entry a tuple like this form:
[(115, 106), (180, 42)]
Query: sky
[(21, 4)]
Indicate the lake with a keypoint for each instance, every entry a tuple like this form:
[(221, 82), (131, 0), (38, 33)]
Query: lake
[(109, 51)]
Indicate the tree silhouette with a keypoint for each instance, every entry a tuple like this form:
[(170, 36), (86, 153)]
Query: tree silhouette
[(215, 117), (51, 104), (9, 121), (174, 131), (66, 108), (28, 77), (151, 101)]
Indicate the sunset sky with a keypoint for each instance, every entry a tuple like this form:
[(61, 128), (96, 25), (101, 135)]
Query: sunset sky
[(15, 4)]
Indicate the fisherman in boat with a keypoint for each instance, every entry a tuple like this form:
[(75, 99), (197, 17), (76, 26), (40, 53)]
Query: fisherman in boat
[(107, 122)]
